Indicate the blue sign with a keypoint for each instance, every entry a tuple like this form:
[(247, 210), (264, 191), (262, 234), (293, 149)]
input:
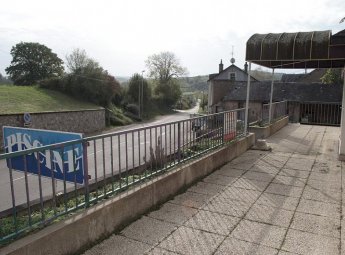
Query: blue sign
[(65, 163)]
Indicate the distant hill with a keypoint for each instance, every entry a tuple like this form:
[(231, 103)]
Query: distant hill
[(4, 80), (192, 84), (122, 79), (265, 76), (199, 83)]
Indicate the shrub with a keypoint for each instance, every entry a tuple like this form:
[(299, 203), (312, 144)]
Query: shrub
[(133, 108)]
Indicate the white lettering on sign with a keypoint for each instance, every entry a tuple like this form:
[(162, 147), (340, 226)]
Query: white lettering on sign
[(53, 161)]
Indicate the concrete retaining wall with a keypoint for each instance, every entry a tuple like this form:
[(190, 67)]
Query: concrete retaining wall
[(82, 230), (85, 121), (264, 132)]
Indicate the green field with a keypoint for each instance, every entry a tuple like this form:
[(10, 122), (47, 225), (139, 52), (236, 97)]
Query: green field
[(20, 99)]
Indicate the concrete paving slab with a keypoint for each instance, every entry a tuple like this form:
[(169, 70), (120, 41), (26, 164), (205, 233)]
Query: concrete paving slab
[(285, 190), (342, 238), (192, 199), (303, 156), (117, 244), (213, 222), (287, 180), (192, 241), (259, 176), (275, 159), (149, 230), (230, 207), (246, 157), (307, 243), (294, 173), (278, 201), (160, 251), (250, 184), (206, 188), (215, 178), (246, 195), (284, 146), (259, 233), (319, 208), (232, 172), (320, 225), (278, 155), (173, 213), (299, 164), (270, 215), (327, 165), (328, 196), (286, 253), (232, 246), (325, 176), (256, 153), (324, 185), (241, 166), (265, 168)]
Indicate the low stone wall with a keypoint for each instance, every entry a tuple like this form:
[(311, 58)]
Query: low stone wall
[(84, 121), (84, 229), (264, 132)]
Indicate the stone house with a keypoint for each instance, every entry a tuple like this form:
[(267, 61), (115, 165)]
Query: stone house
[(309, 101), (220, 83)]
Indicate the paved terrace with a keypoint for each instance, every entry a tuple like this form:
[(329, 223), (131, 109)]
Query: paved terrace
[(288, 201)]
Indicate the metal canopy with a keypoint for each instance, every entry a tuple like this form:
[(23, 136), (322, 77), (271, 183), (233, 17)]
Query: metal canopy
[(318, 49)]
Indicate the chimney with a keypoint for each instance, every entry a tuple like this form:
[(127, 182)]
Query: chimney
[(246, 67), (221, 66)]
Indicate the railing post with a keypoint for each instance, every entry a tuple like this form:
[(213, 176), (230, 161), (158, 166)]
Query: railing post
[(179, 142), (223, 128), (271, 99), (86, 174)]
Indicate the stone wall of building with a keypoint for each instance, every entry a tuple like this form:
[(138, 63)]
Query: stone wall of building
[(85, 121)]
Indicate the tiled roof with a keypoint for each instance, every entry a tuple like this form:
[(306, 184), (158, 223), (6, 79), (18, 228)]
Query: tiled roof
[(307, 92)]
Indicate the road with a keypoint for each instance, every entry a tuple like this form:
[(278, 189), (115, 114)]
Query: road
[(105, 156)]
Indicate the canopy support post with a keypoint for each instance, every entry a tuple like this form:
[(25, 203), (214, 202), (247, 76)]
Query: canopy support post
[(247, 101), (342, 127), (271, 99)]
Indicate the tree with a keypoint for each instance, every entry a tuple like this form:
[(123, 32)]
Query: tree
[(93, 83), (77, 60), (332, 76), (164, 68), (33, 62), (135, 82), (87, 80)]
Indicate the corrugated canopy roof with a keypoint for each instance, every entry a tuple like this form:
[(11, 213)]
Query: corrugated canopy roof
[(318, 49)]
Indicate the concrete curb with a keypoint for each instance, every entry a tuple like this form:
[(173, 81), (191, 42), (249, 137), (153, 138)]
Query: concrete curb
[(82, 230), (264, 132)]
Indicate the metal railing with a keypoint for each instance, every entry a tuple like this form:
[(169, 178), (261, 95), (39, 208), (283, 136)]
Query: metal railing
[(111, 163), (320, 113), (279, 110)]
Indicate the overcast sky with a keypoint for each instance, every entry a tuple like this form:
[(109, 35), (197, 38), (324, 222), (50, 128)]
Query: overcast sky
[(120, 35)]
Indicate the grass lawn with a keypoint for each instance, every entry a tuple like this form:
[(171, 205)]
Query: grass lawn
[(20, 99)]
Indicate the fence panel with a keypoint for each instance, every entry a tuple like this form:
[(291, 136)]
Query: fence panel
[(279, 110)]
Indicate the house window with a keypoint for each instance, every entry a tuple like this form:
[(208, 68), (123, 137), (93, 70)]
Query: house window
[(232, 76)]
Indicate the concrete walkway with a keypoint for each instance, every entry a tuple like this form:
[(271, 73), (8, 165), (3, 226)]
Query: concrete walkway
[(288, 201)]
